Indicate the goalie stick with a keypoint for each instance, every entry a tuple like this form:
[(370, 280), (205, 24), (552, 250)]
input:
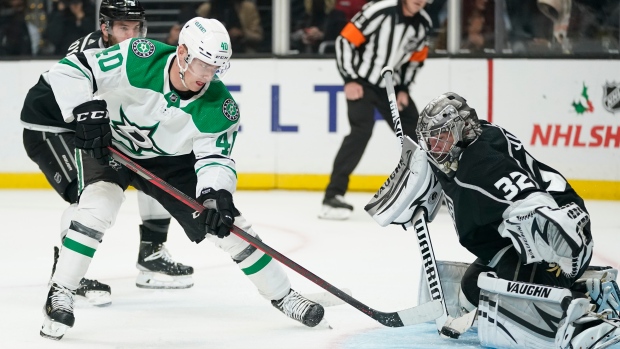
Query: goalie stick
[(421, 228), (411, 316)]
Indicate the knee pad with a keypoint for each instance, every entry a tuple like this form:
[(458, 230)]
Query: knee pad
[(99, 205), (65, 220), (150, 208)]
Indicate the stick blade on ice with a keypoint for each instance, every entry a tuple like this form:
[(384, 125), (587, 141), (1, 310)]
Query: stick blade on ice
[(422, 313)]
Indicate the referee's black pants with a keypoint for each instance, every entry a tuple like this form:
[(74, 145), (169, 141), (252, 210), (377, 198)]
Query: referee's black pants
[(361, 119)]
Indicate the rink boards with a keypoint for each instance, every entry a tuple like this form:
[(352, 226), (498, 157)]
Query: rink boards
[(293, 118)]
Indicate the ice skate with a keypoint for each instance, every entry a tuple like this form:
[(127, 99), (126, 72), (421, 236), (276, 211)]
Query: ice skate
[(93, 291), (58, 312), (159, 271), (299, 308), (335, 208)]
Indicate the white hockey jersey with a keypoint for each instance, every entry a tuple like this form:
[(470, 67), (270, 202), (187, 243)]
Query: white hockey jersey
[(147, 118)]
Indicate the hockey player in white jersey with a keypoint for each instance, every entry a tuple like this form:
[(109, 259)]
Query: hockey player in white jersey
[(49, 141), (528, 228), (166, 108)]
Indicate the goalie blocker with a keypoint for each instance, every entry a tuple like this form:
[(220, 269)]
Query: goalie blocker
[(412, 186), (514, 314)]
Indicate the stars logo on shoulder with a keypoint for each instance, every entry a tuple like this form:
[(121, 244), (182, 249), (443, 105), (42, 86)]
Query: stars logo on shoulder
[(230, 110), (143, 48), (140, 138)]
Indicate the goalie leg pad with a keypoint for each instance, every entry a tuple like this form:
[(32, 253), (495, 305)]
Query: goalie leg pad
[(518, 314), (582, 328), (450, 275), (602, 290)]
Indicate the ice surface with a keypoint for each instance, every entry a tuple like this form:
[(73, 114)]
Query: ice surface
[(223, 309)]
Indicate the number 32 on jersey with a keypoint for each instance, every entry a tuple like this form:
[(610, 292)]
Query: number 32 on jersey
[(513, 184)]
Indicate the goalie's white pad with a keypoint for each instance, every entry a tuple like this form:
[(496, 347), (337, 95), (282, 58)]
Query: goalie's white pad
[(605, 294), (583, 328), (515, 314), (411, 186), (554, 235), (450, 275)]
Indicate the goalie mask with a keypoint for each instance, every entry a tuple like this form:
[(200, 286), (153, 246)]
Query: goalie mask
[(208, 49), (122, 10), (446, 126)]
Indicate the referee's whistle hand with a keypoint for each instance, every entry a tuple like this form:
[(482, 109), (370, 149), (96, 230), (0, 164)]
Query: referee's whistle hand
[(403, 100), (353, 91)]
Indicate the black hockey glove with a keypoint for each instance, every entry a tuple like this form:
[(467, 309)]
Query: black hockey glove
[(220, 214), (93, 133)]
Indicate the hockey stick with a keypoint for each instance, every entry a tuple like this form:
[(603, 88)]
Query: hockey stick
[(420, 220), (407, 317)]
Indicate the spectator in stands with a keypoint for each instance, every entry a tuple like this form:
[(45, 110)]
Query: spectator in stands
[(69, 21), (14, 35), (477, 27), (241, 19), (582, 26), (173, 35), (322, 21), (530, 30)]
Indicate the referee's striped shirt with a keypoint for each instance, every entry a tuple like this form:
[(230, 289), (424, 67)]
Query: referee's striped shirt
[(379, 36)]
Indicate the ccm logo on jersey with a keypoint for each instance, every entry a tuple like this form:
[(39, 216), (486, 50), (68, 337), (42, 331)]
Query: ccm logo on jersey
[(530, 290), (92, 115)]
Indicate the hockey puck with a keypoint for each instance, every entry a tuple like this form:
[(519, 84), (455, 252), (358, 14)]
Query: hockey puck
[(449, 332)]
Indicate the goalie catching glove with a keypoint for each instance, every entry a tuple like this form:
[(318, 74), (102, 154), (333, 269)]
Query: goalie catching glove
[(554, 235), (220, 214), (92, 132)]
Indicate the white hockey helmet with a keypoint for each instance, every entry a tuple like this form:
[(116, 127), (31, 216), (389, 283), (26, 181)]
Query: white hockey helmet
[(206, 40)]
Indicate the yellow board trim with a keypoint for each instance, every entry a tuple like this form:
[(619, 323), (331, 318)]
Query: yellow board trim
[(588, 189)]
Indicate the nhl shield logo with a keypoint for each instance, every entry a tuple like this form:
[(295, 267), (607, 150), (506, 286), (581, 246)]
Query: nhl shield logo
[(230, 110), (143, 48), (611, 97)]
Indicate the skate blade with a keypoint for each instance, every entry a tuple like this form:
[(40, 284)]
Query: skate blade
[(331, 213), (324, 324), (158, 281), (52, 329), (97, 298)]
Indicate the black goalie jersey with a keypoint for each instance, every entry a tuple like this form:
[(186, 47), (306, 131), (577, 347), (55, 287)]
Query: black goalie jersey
[(40, 111), (493, 172)]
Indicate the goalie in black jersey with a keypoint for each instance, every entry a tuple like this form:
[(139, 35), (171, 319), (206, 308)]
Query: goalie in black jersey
[(49, 141), (526, 226)]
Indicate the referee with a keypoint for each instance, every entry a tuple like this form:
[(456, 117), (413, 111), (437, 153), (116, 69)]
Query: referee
[(385, 33)]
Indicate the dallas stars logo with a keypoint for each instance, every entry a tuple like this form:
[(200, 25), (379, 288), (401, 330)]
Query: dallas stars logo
[(140, 138), (143, 48), (230, 110), (580, 108)]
